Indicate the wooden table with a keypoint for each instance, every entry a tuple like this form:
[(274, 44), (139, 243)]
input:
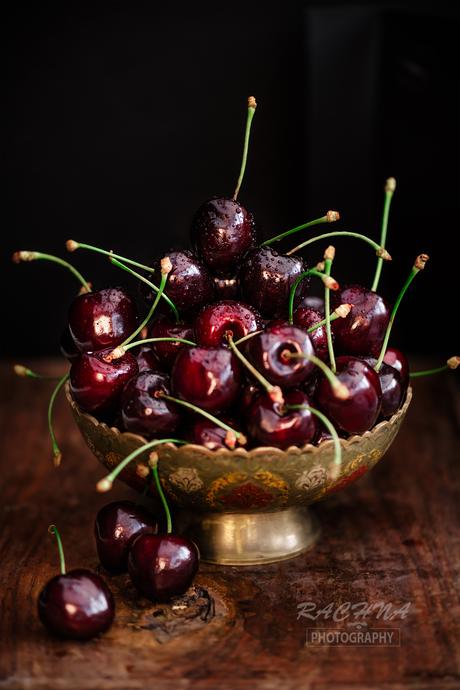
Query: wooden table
[(391, 537)]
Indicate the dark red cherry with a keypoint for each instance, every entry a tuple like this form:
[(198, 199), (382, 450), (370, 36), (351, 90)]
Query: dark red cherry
[(206, 433), (162, 566), (360, 411), (229, 316), (147, 359), (266, 278), (67, 346), (117, 525), (222, 232), (167, 351), (102, 319), (189, 283), (144, 413), (96, 385), (268, 352), (393, 390), (363, 330), (271, 424), (77, 605), (210, 378), (397, 359), (305, 318), (225, 288)]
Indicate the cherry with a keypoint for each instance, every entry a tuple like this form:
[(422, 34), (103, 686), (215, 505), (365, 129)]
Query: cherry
[(393, 390), (67, 345), (398, 360), (273, 424), (363, 330), (209, 378), (77, 605), (222, 232), (117, 525), (216, 320), (305, 317), (225, 288), (206, 433), (163, 327), (189, 283), (102, 319), (360, 410), (266, 278), (145, 413), (147, 359), (96, 385), (267, 351)]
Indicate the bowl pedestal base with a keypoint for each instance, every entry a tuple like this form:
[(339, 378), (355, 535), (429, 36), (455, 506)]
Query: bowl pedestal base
[(250, 538)]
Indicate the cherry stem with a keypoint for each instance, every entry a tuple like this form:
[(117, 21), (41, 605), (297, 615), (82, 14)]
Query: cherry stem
[(57, 455), (311, 272), (33, 256), (105, 484), (164, 278), (336, 314), (273, 391), (52, 529), (203, 413), (330, 427), (72, 246), (23, 371), (417, 267), (251, 110), (380, 251), (156, 477), (327, 309), (150, 284), (452, 363), (340, 390), (248, 336), (330, 217), (160, 340), (390, 187)]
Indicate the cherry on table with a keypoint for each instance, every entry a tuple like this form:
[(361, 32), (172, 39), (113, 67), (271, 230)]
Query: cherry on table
[(143, 412), (228, 316)]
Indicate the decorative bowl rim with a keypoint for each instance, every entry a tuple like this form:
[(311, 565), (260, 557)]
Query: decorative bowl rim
[(256, 452)]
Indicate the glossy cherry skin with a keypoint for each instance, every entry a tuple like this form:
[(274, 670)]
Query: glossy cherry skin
[(77, 606), (102, 319), (210, 378), (96, 385), (147, 359), (267, 351), (398, 360), (305, 318), (222, 232), (225, 288), (206, 433), (117, 524), (67, 346), (363, 330), (271, 424), (189, 285), (313, 302), (393, 390), (360, 411), (266, 278), (228, 316), (166, 351), (162, 566), (143, 412)]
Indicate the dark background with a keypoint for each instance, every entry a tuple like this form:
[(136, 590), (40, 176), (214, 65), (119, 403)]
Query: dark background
[(121, 120)]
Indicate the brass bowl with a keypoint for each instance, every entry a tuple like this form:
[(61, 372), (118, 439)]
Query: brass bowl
[(244, 507)]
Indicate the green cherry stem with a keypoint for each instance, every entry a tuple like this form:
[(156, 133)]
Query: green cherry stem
[(418, 266), (452, 363), (329, 255), (339, 312), (340, 390), (390, 187), (52, 529), (274, 392), (327, 280), (153, 462), (233, 435), (330, 217), (105, 484), (248, 337), (120, 351), (23, 371), (330, 427), (156, 289), (72, 246), (251, 110), (380, 251), (21, 256), (57, 455)]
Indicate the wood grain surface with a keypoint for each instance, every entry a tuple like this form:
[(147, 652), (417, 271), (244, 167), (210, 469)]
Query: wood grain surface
[(393, 537)]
